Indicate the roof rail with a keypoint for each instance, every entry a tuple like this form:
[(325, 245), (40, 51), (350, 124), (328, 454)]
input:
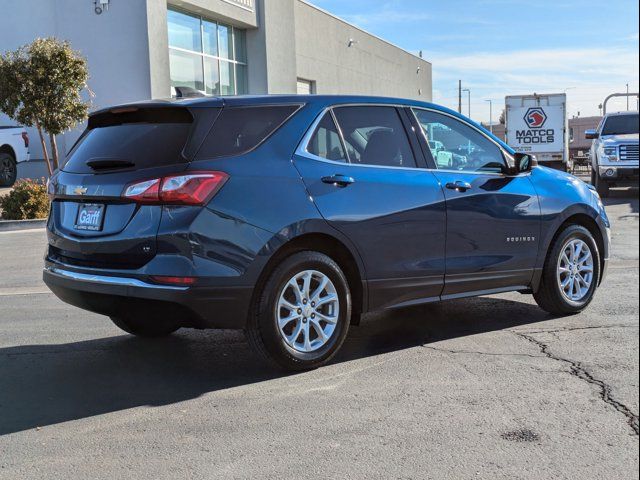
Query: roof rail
[(614, 95)]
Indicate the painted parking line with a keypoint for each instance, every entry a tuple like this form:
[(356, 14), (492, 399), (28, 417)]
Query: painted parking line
[(30, 230), (14, 291)]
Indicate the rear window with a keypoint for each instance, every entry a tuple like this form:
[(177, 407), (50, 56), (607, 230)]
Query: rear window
[(137, 138), (241, 129)]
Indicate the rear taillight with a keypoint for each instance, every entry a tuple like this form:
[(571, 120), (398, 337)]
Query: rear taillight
[(193, 188), (25, 138)]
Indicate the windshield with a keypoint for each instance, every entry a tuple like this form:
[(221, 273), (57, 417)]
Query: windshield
[(621, 125)]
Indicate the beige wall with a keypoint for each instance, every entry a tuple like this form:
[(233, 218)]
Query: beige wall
[(371, 66)]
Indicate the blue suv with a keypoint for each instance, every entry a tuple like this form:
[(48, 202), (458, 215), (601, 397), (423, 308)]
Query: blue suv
[(290, 216)]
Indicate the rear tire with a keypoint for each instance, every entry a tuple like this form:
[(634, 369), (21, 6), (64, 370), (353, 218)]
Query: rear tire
[(146, 328), (553, 296), (302, 314), (8, 170)]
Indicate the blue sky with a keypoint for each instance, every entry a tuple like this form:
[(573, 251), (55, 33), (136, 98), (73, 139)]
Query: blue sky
[(508, 47)]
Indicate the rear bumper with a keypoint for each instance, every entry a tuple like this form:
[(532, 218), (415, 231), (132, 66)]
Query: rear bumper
[(195, 307)]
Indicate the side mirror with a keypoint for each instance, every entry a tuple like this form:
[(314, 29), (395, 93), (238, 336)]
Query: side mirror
[(524, 162), (591, 134)]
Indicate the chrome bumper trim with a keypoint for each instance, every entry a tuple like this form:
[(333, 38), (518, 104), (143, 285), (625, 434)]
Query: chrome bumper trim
[(106, 280)]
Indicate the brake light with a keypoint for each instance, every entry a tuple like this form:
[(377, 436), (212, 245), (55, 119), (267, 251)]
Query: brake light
[(193, 188), (25, 138)]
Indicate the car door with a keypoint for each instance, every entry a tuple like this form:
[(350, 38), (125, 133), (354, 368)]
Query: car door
[(493, 219), (367, 178)]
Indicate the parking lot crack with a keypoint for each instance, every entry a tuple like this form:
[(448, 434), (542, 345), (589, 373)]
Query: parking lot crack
[(574, 329), (474, 352), (578, 370)]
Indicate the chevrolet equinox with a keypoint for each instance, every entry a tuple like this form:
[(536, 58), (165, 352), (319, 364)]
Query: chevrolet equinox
[(291, 216)]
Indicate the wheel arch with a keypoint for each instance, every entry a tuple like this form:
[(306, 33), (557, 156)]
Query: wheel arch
[(330, 246), (583, 220), (6, 148)]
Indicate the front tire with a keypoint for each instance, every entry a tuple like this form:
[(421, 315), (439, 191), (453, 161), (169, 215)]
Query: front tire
[(146, 328), (602, 187), (8, 170), (302, 314), (571, 273)]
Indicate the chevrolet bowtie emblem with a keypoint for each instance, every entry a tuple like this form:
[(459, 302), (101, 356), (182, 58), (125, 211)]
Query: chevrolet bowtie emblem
[(80, 190)]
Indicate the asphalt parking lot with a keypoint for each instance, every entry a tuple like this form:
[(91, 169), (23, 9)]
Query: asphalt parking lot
[(482, 388)]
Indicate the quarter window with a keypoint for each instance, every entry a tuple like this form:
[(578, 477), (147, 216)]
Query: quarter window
[(375, 136), (325, 142), (456, 146), (241, 129), (206, 55)]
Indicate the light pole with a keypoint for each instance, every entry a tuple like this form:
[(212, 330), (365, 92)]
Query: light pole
[(490, 115), (469, 108)]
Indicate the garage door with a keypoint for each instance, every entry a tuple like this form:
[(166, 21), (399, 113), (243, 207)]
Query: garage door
[(305, 87)]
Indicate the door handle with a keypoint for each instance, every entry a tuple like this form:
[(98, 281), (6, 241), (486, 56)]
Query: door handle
[(339, 180), (459, 186)]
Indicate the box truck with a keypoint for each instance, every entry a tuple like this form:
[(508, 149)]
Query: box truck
[(538, 125)]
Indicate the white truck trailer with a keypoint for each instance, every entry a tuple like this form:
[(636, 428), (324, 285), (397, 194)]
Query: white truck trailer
[(538, 125)]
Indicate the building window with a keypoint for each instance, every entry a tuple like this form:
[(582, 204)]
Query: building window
[(208, 56), (306, 87)]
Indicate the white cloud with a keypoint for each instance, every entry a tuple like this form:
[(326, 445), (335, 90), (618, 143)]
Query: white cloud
[(588, 76), (368, 20)]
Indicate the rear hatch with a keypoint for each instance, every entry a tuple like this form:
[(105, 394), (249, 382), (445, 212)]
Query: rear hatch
[(91, 225)]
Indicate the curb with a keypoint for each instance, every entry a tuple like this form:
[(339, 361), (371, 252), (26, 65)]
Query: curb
[(15, 225)]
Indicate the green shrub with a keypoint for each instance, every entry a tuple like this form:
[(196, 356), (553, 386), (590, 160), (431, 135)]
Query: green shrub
[(28, 200)]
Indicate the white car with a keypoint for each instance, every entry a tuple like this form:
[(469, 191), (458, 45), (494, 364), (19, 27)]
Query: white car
[(14, 148)]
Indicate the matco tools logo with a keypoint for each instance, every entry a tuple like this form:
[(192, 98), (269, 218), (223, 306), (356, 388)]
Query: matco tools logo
[(535, 117)]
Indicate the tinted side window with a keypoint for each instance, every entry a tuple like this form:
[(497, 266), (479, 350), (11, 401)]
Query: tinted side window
[(241, 129), (375, 136), (456, 146), (326, 142)]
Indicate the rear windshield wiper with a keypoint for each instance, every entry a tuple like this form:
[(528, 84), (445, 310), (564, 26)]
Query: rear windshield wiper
[(110, 164)]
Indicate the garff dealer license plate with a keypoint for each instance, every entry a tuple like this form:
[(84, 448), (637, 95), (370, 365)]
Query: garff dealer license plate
[(90, 217)]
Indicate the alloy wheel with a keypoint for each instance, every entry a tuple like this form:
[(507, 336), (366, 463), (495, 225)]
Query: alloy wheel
[(6, 169), (575, 270), (307, 311)]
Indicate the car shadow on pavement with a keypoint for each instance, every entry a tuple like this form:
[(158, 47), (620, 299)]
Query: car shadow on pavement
[(43, 385), (627, 196)]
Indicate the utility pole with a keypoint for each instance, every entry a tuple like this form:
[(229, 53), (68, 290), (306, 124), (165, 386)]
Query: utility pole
[(490, 115), (459, 96)]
